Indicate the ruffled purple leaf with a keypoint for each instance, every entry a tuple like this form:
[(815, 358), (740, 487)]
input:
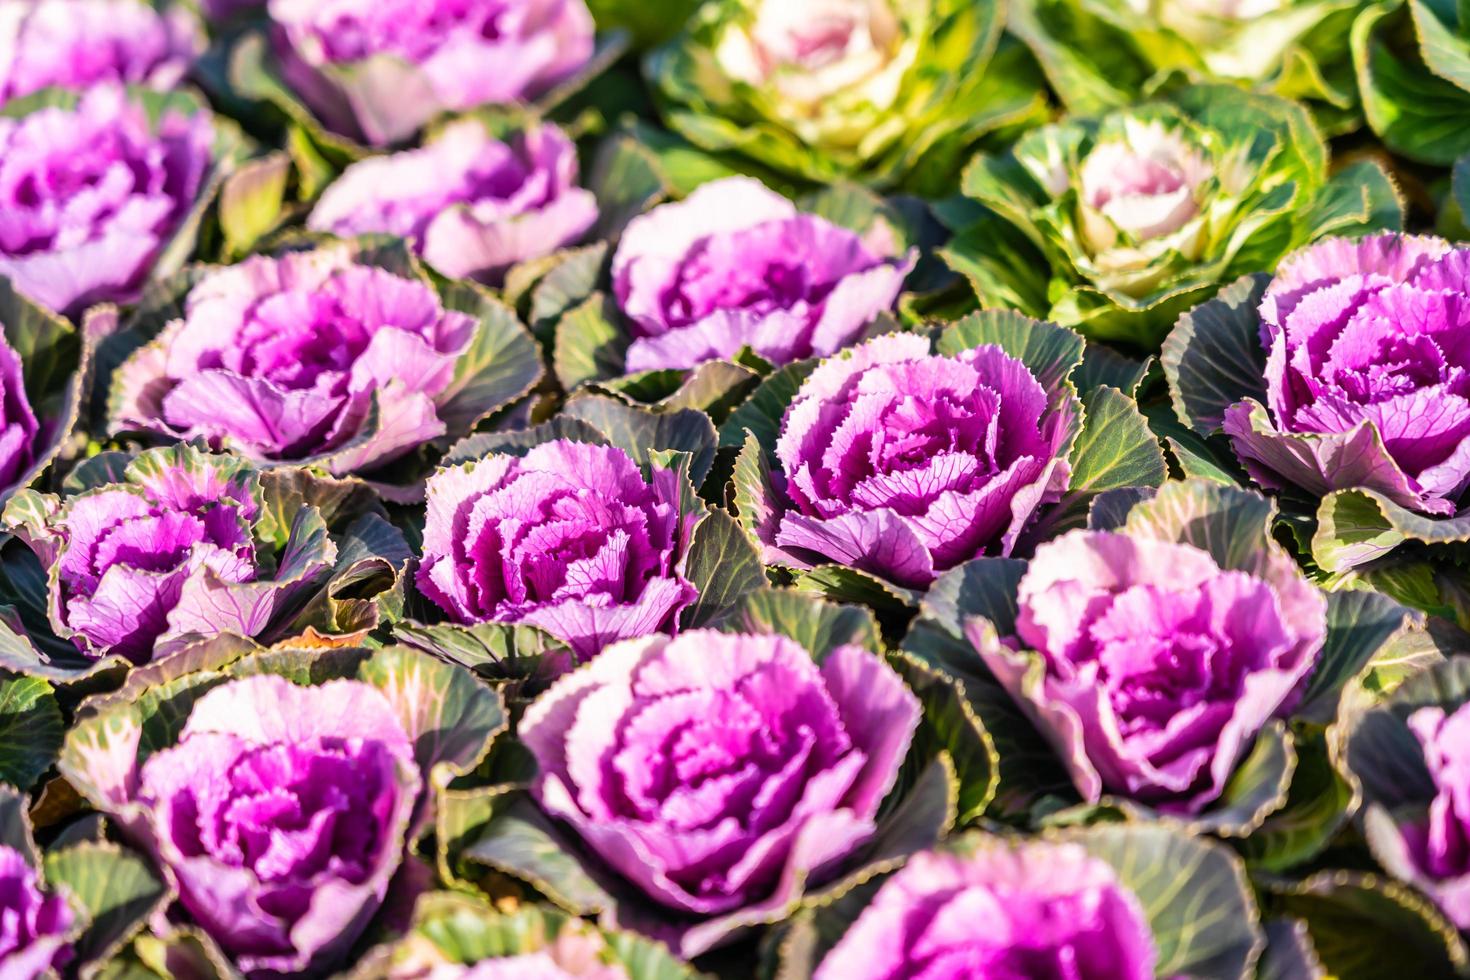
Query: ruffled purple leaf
[(737, 266), (786, 806), (130, 184), (379, 71), (471, 205)]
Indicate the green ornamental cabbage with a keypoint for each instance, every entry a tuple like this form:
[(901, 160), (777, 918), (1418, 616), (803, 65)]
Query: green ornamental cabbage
[(1101, 54), (888, 92), (1115, 225)]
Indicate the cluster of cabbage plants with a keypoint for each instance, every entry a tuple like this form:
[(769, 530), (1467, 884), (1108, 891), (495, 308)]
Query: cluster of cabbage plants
[(783, 489)]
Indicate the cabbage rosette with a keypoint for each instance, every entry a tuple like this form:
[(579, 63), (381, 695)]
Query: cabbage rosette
[(142, 552), (104, 190), (75, 44), (345, 357), (277, 791), (707, 784), (1099, 904), (1115, 225), (907, 455), (1342, 380), (883, 92), (472, 206), (700, 298), (1171, 659), (587, 530)]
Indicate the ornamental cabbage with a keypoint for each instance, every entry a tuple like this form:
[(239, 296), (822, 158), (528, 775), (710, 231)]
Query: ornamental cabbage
[(571, 537), (719, 773), (903, 463), (1124, 221), (1103, 55), (92, 195), (378, 70), (1049, 910), (471, 205), (736, 265), (167, 550), (1154, 656), (318, 357), (75, 44), (1367, 373), (279, 811), (280, 814), (881, 91)]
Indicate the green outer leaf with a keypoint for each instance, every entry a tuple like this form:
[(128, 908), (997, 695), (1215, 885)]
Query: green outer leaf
[(31, 729), (15, 823), (252, 200), (117, 889), (1414, 111), (1359, 625), (1213, 357), (1258, 788), (1353, 918), (723, 565), (496, 650), (452, 717), (517, 839), (952, 725), (1316, 808), (1360, 198), (1355, 527), (1051, 352), (1116, 448), (991, 724), (467, 930), (571, 278), (816, 624), (627, 180), (843, 584), (523, 441), (1194, 893), (639, 432), (287, 490), (502, 364), (762, 412), (1289, 954), (590, 343)]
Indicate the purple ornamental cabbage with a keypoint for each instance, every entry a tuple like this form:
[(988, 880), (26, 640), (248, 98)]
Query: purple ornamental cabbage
[(471, 205), (90, 196), (1048, 910), (1158, 668), (35, 927), (903, 463), (1368, 373), (309, 356), (736, 265), (719, 773), (1433, 851), (20, 430), (166, 551), (570, 538), (75, 44), (280, 815), (378, 70)]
